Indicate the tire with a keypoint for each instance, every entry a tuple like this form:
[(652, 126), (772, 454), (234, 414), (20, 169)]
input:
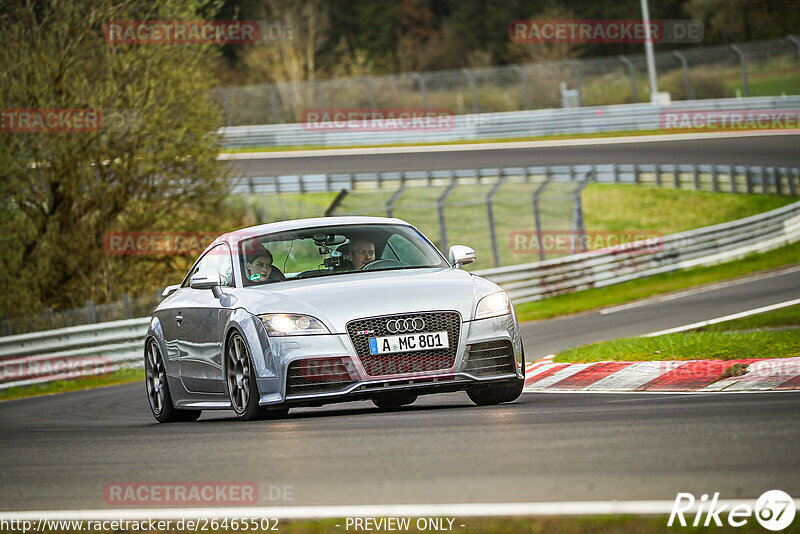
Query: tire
[(241, 383), (497, 394), (158, 395), (390, 402)]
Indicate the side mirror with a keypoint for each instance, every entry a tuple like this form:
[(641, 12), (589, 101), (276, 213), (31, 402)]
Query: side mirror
[(461, 255), (206, 279), (169, 290)]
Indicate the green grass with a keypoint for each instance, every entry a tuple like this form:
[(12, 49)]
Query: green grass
[(62, 386), (784, 317), (690, 346), (769, 84), (730, 340), (637, 289)]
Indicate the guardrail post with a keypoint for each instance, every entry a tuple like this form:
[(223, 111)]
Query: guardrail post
[(687, 85), (615, 170), (794, 174), (422, 89), (52, 319), (696, 177), (748, 180), (714, 178), (677, 178), (536, 214), (658, 174), (327, 182), (490, 214), (472, 89), (762, 173), (126, 304), (370, 92), (636, 173), (523, 86), (734, 188), (743, 62), (440, 210), (796, 42), (628, 63), (90, 312), (396, 196)]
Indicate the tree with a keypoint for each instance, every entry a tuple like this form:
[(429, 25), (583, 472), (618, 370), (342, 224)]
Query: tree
[(150, 164)]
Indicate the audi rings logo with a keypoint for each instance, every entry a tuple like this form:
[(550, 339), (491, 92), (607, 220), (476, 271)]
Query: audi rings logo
[(404, 325)]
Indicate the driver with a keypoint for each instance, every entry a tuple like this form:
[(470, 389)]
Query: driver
[(260, 267), (362, 252)]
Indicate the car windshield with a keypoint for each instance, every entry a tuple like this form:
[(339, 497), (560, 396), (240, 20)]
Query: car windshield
[(334, 250)]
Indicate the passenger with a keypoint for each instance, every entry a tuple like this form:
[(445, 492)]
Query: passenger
[(260, 268)]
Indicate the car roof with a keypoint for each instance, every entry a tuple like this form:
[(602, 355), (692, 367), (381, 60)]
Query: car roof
[(231, 238)]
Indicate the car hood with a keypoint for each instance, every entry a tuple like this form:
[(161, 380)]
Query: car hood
[(337, 299)]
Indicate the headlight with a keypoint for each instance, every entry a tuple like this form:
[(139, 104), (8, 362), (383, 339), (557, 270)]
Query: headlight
[(493, 305), (290, 324)]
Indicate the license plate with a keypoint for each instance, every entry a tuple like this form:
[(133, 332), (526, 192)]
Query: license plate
[(408, 342)]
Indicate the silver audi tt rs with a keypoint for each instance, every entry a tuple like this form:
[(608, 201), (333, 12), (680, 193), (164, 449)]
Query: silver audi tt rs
[(316, 311)]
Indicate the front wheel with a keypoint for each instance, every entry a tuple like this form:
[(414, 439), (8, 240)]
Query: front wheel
[(241, 381), (497, 394), (158, 396)]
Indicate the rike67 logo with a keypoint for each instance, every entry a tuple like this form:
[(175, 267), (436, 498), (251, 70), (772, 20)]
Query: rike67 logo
[(774, 510)]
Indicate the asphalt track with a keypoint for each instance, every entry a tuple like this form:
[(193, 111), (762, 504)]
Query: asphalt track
[(759, 150), (59, 452)]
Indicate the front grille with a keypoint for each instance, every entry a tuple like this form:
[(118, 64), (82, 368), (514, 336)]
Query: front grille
[(320, 375), (405, 362), (490, 358)]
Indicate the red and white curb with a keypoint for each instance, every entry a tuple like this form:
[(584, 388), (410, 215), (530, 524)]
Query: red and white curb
[(765, 374)]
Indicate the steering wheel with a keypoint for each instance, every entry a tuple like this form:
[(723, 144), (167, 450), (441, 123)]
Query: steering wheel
[(382, 263)]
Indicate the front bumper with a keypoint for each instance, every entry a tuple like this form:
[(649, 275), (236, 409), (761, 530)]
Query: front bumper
[(285, 350)]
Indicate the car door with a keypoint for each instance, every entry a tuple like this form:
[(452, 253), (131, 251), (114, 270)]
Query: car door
[(197, 316)]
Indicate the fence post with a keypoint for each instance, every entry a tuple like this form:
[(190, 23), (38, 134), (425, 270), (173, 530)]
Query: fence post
[(658, 174), (578, 223), (792, 185), (422, 89), (796, 42), (748, 180), (490, 214), (687, 85), (276, 109), (742, 60), (440, 210), (615, 170), (126, 304), (576, 77), (714, 178), (777, 177), (636, 173), (396, 195), (473, 90), (677, 176), (696, 177), (523, 85), (734, 188), (370, 91), (90, 312), (536, 215), (628, 63)]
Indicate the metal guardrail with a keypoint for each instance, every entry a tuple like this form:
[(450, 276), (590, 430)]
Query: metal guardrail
[(99, 348), (513, 124), (600, 268)]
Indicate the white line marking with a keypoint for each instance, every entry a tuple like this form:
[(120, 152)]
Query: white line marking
[(558, 375), (702, 289), (496, 146), (375, 510), (725, 318), (763, 375)]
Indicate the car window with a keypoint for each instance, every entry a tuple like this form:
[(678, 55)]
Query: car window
[(400, 248), (219, 259)]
